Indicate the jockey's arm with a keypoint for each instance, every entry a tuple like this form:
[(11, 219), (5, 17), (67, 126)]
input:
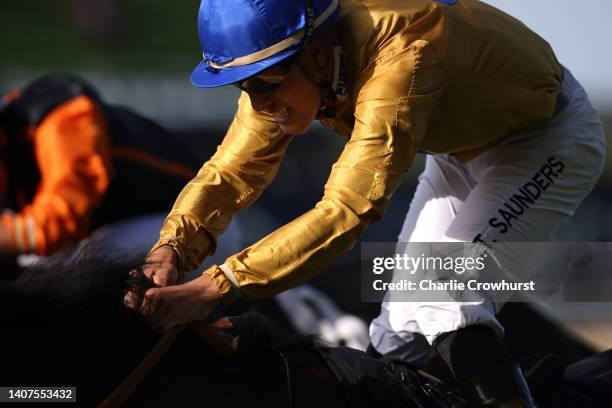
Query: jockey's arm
[(392, 110), (71, 150), (245, 163)]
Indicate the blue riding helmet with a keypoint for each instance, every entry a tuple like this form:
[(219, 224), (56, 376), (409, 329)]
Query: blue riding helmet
[(241, 38)]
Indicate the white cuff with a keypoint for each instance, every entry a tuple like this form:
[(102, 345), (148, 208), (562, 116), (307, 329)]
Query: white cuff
[(231, 276)]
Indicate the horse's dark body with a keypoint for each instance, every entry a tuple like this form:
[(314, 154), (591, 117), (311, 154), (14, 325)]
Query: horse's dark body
[(189, 372), (63, 325)]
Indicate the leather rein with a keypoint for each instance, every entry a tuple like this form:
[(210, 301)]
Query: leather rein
[(209, 332)]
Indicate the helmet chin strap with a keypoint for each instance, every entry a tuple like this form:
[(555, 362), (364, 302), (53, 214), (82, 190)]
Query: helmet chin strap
[(328, 97), (331, 90), (328, 90), (328, 93), (310, 23), (328, 104)]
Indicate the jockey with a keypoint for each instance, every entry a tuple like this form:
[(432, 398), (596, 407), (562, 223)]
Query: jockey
[(474, 88), (69, 163)]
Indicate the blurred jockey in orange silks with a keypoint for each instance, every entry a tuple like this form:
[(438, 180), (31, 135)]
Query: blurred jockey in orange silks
[(70, 162)]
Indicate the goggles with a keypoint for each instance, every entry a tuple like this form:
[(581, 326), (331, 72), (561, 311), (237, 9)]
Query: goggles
[(268, 80)]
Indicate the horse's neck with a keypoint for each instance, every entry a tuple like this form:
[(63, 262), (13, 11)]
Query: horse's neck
[(95, 365)]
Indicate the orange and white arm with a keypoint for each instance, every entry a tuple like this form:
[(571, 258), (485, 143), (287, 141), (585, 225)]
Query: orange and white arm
[(71, 147)]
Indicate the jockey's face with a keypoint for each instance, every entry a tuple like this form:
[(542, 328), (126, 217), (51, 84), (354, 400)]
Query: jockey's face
[(295, 101), (293, 104)]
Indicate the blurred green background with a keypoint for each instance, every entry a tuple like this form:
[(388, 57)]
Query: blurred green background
[(126, 35)]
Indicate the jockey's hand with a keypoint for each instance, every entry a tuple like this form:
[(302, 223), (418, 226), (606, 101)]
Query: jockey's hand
[(161, 266), (174, 305)]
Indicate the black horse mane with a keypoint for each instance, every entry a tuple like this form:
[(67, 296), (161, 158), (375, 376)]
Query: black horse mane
[(82, 291), (71, 290)]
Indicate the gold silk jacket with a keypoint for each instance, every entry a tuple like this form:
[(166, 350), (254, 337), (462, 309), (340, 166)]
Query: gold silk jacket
[(422, 75)]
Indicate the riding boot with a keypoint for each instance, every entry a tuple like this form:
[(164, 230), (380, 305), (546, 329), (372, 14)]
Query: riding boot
[(501, 387), (484, 369)]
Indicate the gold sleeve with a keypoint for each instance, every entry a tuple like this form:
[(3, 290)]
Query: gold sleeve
[(391, 113), (243, 166)]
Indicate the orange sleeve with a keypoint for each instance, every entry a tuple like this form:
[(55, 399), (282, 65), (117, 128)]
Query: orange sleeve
[(71, 146)]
